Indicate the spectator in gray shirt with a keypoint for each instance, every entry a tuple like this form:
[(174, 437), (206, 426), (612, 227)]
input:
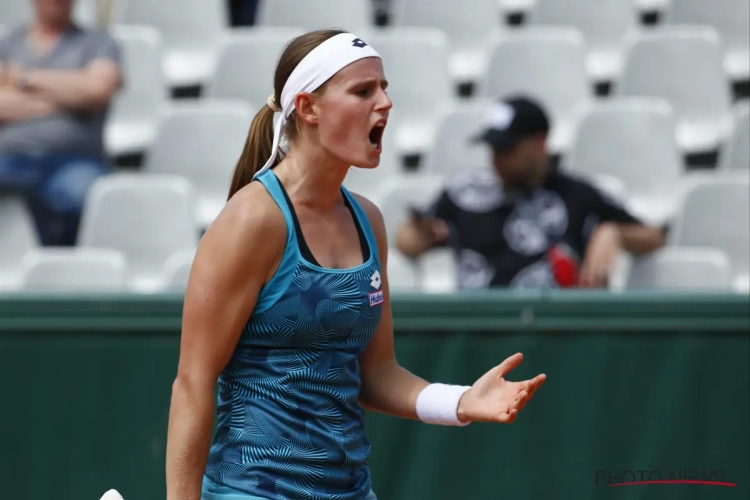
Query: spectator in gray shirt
[(56, 82)]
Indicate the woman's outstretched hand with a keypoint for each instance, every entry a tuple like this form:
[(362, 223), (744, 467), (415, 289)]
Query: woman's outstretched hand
[(494, 399)]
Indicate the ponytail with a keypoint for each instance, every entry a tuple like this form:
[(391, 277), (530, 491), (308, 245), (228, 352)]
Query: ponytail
[(259, 142), (257, 150)]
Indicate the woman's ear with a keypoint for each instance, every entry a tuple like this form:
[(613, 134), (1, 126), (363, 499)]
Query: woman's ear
[(306, 107)]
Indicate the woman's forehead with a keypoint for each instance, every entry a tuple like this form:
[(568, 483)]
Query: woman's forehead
[(364, 69)]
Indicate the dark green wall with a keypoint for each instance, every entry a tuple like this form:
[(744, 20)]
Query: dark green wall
[(644, 382)]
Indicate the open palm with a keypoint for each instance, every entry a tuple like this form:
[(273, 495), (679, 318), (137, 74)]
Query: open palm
[(494, 399)]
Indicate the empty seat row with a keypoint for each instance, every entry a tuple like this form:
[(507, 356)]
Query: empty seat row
[(150, 220), (682, 65), (629, 142), (193, 29)]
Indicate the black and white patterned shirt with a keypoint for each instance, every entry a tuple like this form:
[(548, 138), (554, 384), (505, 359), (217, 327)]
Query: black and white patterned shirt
[(502, 240)]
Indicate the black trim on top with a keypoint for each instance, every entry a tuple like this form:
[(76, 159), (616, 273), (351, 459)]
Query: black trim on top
[(305, 249)]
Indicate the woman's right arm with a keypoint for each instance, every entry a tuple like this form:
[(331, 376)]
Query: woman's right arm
[(237, 255)]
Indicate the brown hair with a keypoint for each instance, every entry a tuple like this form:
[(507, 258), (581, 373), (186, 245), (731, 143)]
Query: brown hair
[(259, 141)]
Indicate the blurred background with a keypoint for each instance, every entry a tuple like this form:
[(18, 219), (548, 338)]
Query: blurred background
[(119, 134)]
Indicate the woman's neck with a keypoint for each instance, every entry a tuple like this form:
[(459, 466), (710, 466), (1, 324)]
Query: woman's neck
[(313, 178)]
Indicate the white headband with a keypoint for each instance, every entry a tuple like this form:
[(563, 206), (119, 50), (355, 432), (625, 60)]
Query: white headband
[(314, 70)]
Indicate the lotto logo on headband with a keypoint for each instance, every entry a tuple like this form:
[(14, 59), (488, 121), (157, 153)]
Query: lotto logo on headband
[(358, 42)]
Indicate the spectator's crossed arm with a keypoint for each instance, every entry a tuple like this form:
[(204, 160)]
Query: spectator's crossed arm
[(88, 89)]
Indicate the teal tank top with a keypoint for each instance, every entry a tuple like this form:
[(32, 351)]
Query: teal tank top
[(289, 421)]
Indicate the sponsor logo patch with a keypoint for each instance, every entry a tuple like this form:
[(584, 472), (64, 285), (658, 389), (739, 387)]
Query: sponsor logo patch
[(376, 298)]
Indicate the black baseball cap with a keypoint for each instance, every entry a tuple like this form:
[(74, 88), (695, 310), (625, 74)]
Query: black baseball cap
[(510, 120)]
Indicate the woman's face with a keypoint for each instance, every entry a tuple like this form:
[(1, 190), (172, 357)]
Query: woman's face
[(352, 113)]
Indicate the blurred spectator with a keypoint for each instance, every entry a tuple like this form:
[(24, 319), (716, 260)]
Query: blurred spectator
[(56, 83), (525, 224)]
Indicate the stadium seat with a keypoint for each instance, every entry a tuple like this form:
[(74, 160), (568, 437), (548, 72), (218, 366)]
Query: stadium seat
[(604, 24), (632, 140), (176, 272), (354, 16), (15, 12), (191, 30), (517, 6), (684, 66), (546, 64), (17, 237), (74, 270), (147, 217), (85, 12), (735, 154), (415, 64), (682, 268), (438, 271), (730, 19), (645, 6), (131, 126), (396, 195), (469, 25), (247, 63), (716, 214), (202, 142), (453, 149), (402, 273)]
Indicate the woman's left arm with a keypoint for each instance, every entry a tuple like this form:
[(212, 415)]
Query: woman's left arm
[(386, 386), (389, 388)]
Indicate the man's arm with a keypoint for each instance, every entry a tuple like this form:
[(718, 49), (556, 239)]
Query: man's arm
[(420, 233), (87, 89), (19, 106), (639, 239)]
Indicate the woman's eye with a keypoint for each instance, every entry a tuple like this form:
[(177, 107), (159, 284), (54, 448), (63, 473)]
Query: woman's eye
[(364, 92)]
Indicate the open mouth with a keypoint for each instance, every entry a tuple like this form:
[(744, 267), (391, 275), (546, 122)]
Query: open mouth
[(376, 137)]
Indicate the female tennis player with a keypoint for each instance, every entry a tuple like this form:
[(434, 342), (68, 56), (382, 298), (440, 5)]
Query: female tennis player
[(288, 307)]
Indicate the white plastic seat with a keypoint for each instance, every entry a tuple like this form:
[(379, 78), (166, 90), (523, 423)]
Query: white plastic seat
[(202, 142), (176, 271), (247, 63), (469, 24), (15, 12), (354, 16), (546, 64), (131, 126), (730, 19), (402, 273), (517, 6), (398, 194), (652, 5), (604, 24), (632, 140), (453, 148), (684, 66), (438, 271), (17, 237), (191, 30), (735, 154), (74, 270), (682, 268), (147, 217), (415, 62), (716, 214)]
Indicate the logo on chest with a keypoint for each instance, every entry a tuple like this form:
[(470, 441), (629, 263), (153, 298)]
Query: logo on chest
[(376, 297)]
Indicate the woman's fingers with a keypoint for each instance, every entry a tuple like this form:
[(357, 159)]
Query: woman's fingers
[(506, 366)]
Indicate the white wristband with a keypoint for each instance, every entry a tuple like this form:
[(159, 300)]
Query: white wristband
[(438, 403)]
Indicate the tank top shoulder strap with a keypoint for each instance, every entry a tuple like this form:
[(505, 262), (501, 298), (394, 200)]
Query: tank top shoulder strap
[(364, 222), (277, 285)]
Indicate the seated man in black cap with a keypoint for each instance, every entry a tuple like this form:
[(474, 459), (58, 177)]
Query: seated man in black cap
[(525, 224)]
